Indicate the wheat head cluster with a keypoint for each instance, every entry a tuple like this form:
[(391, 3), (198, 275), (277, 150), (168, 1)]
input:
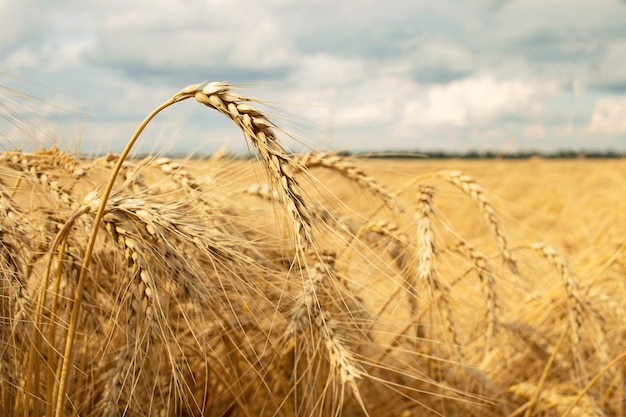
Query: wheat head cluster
[(154, 287)]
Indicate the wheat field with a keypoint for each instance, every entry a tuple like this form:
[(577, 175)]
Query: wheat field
[(309, 284)]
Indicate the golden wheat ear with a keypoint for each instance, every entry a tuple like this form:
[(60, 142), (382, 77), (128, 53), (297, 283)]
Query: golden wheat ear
[(278, 164), (348, 169), (475, 191)]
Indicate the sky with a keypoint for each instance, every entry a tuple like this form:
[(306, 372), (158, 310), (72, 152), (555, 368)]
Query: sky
[(363, 76)]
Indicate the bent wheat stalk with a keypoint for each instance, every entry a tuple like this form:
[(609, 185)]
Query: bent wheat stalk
[(256, 128), (82, 278)]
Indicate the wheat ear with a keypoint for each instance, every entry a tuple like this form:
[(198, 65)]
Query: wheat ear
[(258, 129), (398, 242), (13, 312), (309, 313), (536, 341), (425, 254), (485, 275), (352, 172), (135, 254), (424, 232), (471, 188), (15, 233), (574, 299), (425, 250), (41, 165)]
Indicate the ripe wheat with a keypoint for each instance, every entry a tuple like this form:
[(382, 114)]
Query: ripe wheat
[(180, 288)]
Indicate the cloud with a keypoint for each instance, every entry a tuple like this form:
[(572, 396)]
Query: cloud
[(565, 47), (54, 34), (432, 73), (439, 60), (609, 116), (608, 74), (477, 101), (215, 39)]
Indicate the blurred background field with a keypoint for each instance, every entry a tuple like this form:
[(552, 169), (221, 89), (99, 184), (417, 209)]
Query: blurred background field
[(574, 204)]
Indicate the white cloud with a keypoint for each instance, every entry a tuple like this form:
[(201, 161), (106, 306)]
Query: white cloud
[(361, 115), (476, 101), (22, 58), (324, 70), (173, 35), (609, 116)]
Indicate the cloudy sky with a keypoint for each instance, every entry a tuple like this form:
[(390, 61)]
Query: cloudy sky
[(486, 75)]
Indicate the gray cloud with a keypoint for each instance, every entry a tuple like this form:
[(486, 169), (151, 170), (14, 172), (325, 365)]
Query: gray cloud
[(545, 45), (174, 76), (438, 75)]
